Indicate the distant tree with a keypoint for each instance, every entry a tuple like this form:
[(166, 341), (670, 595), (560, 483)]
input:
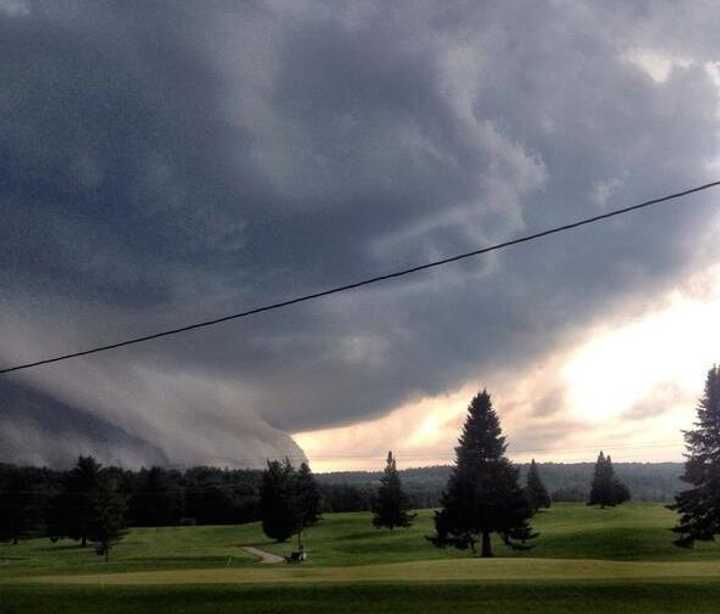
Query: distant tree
[(699, 506), (156, 500), (345, 498), (276, 506), (535, 490), (606, 489), (482, 495), (107, 525), (305, 501), (77, 500), (391, 506)]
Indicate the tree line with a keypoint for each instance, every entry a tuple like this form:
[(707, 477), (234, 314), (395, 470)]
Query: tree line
[(482, 496)]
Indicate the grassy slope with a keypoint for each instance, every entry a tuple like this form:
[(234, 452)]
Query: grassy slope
[(398, 571)]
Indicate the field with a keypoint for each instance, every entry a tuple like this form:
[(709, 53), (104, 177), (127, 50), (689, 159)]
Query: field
[(613, 560)]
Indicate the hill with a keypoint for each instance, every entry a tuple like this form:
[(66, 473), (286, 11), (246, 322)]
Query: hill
[(565, 481)]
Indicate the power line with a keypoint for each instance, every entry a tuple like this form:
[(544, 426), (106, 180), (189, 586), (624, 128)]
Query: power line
[(364, 282)]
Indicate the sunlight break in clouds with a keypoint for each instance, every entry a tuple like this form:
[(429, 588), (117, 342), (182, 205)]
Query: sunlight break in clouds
[(629, 388)]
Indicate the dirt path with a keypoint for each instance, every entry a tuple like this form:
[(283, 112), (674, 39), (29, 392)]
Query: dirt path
[(265, 557)]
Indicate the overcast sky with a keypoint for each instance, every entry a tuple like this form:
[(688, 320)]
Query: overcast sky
[(165, 162)]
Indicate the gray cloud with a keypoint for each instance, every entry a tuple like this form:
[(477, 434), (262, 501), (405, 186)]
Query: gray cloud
[(163, 163)]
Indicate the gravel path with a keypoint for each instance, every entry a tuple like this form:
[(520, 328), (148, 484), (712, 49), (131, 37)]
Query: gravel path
[(265, 557)]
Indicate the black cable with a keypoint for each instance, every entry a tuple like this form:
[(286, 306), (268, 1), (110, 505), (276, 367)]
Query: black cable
[(365, 282)]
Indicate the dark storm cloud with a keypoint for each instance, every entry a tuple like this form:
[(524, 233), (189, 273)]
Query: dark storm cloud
[(164, 162)]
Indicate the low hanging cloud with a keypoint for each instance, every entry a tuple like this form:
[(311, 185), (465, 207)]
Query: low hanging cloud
[(162, 163)]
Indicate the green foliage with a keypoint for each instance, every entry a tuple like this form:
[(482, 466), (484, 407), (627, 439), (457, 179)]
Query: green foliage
[(607, 490), (276, 508), (107, 524), (535, 490), (699, 506), (75, 506), (391, 506), (305, 501), (483, 495), (157, 498), (289, 500), (20, 513)]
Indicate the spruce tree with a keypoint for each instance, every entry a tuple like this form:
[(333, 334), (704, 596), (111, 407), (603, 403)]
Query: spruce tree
[(107, 525), (483, 495), (619, 493), (600, 485), (78, 498), (276, 501), (699, 506), (535, 490), (306, 501), (606, 489), (391, 506)]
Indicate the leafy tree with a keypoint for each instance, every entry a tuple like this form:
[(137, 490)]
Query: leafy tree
[(606, 489), (276, 506), (482, 495), (305, 501), (699, 506), (391, 506), (107, 525), (535, 490)]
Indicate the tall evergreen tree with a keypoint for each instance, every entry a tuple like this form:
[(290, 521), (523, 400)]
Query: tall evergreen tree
[(107, 525), (78, 498), (305, 502), (699, 506), (276, 501), (535, 490), (391, 506), (619, 492), (483, 495), (600, 485), (606, 489)]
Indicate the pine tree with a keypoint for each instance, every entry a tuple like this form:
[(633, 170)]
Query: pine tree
[(699, 506), (483, 495), (276, 505), (535, 490), (78, 498), (619, 493), (107, 525), (606, 489), (306, 501), (600, 486), (391, 506)]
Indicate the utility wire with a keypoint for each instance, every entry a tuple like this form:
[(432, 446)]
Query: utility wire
[(364, 282)]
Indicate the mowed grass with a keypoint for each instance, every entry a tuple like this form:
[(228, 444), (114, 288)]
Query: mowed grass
[(506, 598), (621, 559)]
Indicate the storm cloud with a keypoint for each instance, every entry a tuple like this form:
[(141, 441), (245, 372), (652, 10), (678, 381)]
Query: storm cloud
[(164, 162)]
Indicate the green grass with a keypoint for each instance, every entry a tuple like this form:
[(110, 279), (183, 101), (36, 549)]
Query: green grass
[(606, 597), (622, 558)]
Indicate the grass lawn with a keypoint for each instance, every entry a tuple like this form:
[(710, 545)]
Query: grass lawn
[(613, 560)]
